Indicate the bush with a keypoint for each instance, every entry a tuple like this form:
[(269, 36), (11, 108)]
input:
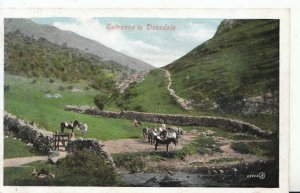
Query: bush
[(6, 88), (133, 162), (100, 100), (89, 165), (138, 108), (241, 148)]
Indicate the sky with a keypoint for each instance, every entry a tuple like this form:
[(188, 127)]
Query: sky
[(156, 47)]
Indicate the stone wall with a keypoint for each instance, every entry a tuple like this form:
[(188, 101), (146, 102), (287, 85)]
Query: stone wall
[(41, 141), (92, 145), (183, 120)]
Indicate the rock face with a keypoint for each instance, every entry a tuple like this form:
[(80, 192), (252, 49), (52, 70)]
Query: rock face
[(185, 120), (122, 85), (72, 40)]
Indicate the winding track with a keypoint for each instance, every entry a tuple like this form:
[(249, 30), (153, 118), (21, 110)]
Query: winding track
[(184, 103)]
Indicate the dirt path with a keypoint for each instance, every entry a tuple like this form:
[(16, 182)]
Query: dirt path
[(139, 145), (15, 162), (184, 103), (205, 160)]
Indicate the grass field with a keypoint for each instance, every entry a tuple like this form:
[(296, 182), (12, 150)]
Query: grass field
[(27, 100), (152, 95), (14, 148)]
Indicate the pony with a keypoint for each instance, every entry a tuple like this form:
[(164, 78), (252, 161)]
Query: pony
[(68, 125), (166, 141), (81, 126)]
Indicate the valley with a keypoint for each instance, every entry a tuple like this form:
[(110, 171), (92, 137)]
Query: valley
[(232, 76)]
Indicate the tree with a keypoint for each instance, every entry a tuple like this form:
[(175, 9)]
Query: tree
[(99, 102)]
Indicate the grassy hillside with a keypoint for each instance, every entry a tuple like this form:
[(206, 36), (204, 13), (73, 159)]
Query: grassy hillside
[(27, 99), (151, 95), (239, 64), (30, 57)]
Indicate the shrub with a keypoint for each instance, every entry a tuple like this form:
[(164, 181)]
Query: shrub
[(241, 148), (138, 108), (133, 162), (89, 165), (100, 100), (6, 88), (61, 88)]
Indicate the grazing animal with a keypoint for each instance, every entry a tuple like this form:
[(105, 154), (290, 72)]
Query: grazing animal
[(167, 141), (81, 126), (136, 123), (68, 125)]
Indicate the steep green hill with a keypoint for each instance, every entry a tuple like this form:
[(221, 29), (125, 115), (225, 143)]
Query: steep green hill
[(237, 71), (27, 56)]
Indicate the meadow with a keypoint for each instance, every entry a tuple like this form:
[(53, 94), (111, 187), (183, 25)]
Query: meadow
[(26, 98)]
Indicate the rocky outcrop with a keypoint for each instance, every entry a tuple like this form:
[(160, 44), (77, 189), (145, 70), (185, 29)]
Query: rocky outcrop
[(183, 120), (123, 84)]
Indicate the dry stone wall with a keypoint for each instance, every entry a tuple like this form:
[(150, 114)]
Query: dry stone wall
[(42, 140), (183, 120)]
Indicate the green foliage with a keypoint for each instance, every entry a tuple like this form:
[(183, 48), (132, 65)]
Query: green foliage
[(133, 162), (79, 169), (233, 65), (89, 165), (151, 95), (256, 148), (30, 57), (48, 113), (100, 100), (138, 108), (224, 159)]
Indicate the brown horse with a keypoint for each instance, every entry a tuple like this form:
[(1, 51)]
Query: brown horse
[(167, 141)]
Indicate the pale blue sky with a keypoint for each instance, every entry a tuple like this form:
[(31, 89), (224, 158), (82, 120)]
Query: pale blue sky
[(158, 48)]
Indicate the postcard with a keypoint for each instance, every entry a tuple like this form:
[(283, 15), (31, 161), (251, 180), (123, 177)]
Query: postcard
[(145, 100)]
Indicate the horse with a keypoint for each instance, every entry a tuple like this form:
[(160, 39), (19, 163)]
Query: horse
[(68, 125), (81, 126), (167, 141)]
